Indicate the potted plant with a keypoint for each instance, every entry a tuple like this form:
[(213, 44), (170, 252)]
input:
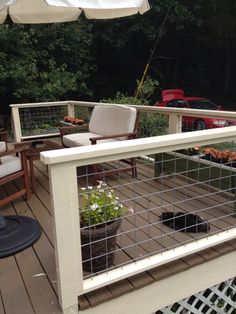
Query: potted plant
[(193, 151), (100, 218), (226, 157), (73, 120), (215, 155)]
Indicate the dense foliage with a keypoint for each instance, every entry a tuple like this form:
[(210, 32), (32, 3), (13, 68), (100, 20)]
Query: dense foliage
[(92, 60), (45, 62), (150, 124)]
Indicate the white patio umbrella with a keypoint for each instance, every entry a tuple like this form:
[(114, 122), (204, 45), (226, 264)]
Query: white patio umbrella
[(50, 11)]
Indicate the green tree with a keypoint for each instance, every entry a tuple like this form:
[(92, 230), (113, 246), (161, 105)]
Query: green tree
[(45, 62), (94, 59)]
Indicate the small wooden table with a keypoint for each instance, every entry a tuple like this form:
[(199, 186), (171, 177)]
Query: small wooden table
[(33, 153)]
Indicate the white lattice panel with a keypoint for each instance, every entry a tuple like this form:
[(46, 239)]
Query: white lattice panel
[(219, 299)]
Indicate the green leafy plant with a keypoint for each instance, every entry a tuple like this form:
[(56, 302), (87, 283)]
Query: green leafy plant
[(151, 124), (196, 150), (44, 126), (99, 205)]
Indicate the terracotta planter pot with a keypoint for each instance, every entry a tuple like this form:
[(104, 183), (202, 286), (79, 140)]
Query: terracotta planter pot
[(98, 246)]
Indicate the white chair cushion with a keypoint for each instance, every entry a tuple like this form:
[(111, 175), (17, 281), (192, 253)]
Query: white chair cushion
[(10, 164), (2, 146), (112, 120), (82, 139)]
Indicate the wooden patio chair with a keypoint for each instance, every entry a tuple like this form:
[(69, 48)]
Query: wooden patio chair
[(13, 167), (108, 123), (17, 232)]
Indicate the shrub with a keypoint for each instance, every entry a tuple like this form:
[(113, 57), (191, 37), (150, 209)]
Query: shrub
[(151, 124)]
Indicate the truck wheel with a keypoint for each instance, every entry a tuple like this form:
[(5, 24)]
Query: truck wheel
[(199, 125)]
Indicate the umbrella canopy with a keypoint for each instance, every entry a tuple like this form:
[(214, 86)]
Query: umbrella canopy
[(51, 11)]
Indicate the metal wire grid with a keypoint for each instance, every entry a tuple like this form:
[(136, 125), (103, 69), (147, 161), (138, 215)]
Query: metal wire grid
[(142, 233), (218, 299), (40, 118)]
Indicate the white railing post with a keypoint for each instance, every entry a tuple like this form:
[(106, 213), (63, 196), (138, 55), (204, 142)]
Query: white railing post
[(71, 110), (66, 223), (16, 124), (175, 123)]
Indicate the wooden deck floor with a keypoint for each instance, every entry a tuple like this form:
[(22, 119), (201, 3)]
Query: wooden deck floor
[(28, 282)]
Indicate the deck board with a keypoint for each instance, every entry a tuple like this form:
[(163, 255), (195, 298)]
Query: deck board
[(2, 311), (121, 287), (189, 195), (35, 266), (152, 215), (28, 281), (101, 295), (15, 297), (140, 280), (39, 289)]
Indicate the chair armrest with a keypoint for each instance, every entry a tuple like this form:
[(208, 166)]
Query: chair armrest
[(128, 135), (20, 149), (3, 136)]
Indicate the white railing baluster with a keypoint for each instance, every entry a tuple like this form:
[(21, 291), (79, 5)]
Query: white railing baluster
[(71, 109), (16, 124), (63, 186), (175, 123), (175, 114)]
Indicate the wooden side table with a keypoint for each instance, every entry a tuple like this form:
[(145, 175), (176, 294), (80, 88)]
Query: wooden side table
[(33, 153)]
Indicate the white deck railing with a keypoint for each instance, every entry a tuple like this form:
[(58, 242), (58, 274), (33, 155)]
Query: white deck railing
[(63, 164), (29, 120)]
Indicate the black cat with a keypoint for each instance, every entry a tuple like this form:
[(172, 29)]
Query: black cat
[(185, 222)]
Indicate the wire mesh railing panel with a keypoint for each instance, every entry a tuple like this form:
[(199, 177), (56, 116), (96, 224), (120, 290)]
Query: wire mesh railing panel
[(155, 203), (41, 120), (215, 300)]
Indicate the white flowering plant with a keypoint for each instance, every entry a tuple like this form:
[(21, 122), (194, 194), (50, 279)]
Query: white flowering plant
[(100, 205)]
